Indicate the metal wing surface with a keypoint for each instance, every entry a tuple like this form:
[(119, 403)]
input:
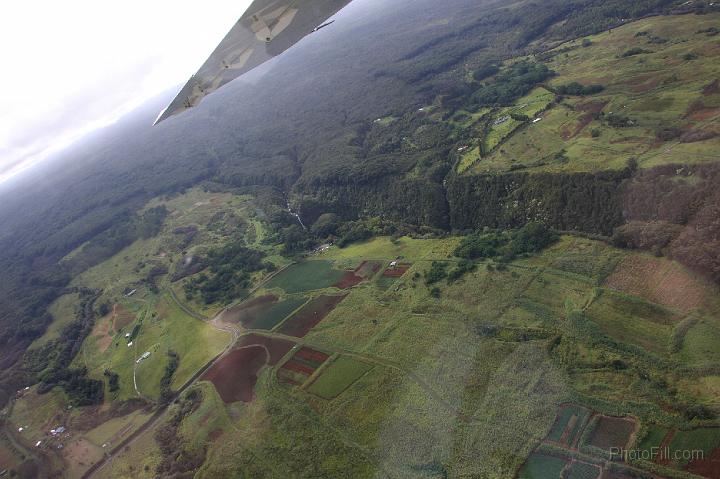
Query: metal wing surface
[(266, 29)]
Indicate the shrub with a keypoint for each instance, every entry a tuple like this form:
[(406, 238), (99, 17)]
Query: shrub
[(576, 89), (531, 238), (436, 273), (634, 51)]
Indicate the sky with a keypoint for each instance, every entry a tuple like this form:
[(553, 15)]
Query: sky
[(72, 66)]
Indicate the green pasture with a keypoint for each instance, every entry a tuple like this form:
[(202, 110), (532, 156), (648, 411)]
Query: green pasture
[(337, 377), (306, 276)]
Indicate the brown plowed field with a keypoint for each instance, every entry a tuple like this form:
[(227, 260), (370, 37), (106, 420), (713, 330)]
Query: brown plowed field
[(708, 467), (612, 432), (293, 365), (235, 375), (659, 281), (276, 347), (349, 280), (310, 315), (397, 271), (312, 355)]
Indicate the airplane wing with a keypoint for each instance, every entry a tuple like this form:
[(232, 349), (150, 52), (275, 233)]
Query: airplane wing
[(266, 29)]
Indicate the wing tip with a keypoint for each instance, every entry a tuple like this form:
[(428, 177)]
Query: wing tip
[(160, 116)]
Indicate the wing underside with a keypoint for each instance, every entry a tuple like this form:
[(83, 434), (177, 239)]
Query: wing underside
[(266, 29)]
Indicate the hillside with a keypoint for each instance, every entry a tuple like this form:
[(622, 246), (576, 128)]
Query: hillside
[(504, 261)]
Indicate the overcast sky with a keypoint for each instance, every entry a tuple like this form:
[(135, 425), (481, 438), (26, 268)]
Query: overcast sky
[(71, 66)]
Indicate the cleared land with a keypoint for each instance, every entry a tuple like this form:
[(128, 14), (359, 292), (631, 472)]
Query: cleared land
[(337, 377), (307, 317)]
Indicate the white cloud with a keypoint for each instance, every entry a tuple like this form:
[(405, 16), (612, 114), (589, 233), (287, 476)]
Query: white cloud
[(71, 66)]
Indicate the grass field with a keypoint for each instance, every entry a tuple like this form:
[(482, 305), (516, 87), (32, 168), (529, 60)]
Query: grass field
[(582, 470), (702, 439), (541, 466), (276, 313), (633, 320), (337, 377), (63, 313), (306, 276), (164, 327)]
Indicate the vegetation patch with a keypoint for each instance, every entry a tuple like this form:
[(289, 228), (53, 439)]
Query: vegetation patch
[(634, 321), (542, 466), (569, 424), (248, 311), (306, 276), (338, 376), (300, 323), (368, 269), (582, 470), (612, 432)]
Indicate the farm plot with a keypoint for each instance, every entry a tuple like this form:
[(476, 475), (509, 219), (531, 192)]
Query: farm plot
[(121, 318), (612, 432), (368, 269), (349, 279), (310, 315), (396, 271), (301, 366), (234, 376), (569, 423), (582, 470), (708, 467), (634, 321), (542, 466), (706, 440), (307, 276), (262, 312), (339, 376), (661, 281)]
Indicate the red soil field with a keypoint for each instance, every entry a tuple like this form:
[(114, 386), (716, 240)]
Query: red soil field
[(248, 311), (312, 355), (708, 467), (349, 280), (310, 315), (235, 375), (276, 347), (293, 365), (397, 271)]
